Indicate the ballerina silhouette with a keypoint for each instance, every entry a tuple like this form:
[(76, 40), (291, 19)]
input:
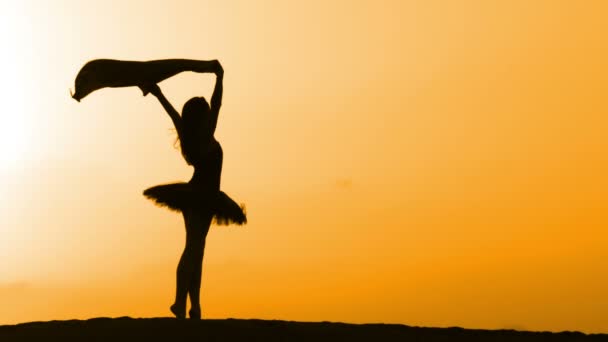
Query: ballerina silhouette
[(200, 200)]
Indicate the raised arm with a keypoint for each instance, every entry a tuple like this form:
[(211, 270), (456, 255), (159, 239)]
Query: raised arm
[(212, 66), (175, 117), (218, 91)]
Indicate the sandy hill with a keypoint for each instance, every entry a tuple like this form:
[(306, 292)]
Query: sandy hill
[(169, 329)]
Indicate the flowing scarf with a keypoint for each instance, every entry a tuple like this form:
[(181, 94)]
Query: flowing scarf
[(102, 73)]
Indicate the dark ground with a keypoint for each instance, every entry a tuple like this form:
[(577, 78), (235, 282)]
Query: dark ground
[(169, 329)]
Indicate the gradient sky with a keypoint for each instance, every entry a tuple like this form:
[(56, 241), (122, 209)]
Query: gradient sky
[(433, 163)]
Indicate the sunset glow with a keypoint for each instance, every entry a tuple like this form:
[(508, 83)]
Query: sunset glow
[(431, 163)]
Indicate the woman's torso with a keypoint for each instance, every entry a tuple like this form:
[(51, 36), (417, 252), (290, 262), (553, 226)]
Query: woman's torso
[(208, 169)]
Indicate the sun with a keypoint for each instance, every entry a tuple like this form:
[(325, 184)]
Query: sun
[(14, 116)]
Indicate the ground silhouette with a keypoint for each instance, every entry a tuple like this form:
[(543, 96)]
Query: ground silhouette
[(170, 329)]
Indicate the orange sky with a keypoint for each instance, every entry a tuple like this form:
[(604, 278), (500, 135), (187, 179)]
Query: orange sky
[(436, 163)]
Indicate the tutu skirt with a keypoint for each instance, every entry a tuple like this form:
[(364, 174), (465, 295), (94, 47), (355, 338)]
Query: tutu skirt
[(180, 196)]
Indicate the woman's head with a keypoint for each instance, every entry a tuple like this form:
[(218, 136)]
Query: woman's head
[(196, 125), (196, 113)]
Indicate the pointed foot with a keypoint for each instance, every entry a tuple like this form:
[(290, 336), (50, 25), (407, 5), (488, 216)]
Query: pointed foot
[(179, 312)]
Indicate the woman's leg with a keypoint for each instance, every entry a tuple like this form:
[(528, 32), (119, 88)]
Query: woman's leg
[(200, 228), (183, 274)]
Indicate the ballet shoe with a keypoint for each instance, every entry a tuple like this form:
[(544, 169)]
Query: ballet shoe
[(178, 312)]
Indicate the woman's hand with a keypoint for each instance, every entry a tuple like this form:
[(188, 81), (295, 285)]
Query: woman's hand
[(219, 71), (154, 89)]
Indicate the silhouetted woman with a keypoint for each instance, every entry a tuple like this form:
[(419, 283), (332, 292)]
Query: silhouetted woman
[(200, 200)]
